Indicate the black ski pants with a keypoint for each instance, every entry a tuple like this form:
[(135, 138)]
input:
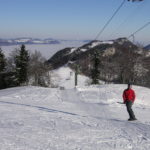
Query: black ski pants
[(129, 109)]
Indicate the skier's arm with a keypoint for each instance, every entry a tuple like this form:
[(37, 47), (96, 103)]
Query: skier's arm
[(124, 97), (133, 96)]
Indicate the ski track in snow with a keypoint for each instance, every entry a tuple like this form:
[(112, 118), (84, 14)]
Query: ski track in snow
[(34, 118)]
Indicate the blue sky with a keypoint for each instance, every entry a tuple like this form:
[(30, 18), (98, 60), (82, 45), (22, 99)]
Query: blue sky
[(73, 19)]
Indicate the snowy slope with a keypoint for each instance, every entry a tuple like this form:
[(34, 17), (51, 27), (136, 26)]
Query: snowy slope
[(85, 118), (65, 77)]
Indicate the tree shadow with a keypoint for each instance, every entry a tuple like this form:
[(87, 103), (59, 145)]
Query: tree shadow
[(41, 108)]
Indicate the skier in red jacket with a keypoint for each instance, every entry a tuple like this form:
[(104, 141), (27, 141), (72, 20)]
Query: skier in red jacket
[(129, 98)]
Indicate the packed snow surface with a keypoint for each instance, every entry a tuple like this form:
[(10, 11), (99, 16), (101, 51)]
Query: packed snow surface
[(81, 118)]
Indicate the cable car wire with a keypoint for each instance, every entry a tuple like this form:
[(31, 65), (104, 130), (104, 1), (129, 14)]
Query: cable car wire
[(107, 23), (125, 21), (144, 26)]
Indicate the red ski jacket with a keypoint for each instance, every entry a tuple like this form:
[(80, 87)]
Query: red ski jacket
[(128, 95)]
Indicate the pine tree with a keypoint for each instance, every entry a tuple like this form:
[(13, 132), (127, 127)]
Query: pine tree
[(2, 69), (95, 70), (2, 61), (21, 62)]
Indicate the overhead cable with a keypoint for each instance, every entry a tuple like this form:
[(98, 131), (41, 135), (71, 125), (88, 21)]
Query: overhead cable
[(126, 20), (107, 23), (139, 29)]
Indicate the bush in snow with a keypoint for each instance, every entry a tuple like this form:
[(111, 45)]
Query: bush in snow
[(39, 71)]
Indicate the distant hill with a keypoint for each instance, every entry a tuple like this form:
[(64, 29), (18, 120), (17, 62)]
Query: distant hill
[(25, 40), (147, 47), (120, 60)]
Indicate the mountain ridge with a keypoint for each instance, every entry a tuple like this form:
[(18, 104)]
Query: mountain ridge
[(121, 61), (30, 41), (147, 47), (27, 40), (108, 47)]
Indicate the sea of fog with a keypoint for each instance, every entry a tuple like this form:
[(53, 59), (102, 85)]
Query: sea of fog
[(47, 50)]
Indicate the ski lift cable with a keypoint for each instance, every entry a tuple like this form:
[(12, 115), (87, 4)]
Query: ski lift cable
[(107, 23), (144, 26), (132, 13)]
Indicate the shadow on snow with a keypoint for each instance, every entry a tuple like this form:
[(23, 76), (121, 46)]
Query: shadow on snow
[(40, 108)]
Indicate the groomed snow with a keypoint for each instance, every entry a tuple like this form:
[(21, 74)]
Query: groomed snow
[(82, 118)]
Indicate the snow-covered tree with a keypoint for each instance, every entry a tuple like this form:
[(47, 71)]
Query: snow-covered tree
[(39, 72)]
